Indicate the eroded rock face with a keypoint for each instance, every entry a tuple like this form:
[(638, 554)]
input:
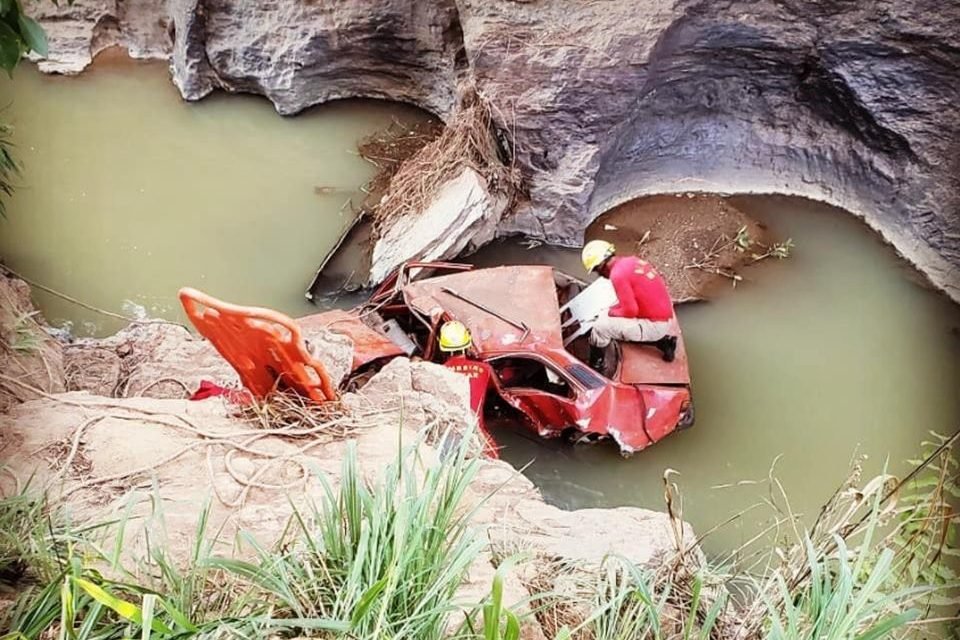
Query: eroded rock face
[(303, 53), (30, 359), (79, 30), (855, 104)]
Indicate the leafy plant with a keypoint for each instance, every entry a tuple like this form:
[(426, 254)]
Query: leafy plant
[(23, 535), (381, 559), (24, 336), (742, 241), (19, 34), (926, 533), (8, 167)]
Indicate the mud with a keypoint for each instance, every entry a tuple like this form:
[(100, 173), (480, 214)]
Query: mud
[(689, 237)]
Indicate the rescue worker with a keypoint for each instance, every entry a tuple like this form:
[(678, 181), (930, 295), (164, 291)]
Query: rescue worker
[(643, 310), (454, 341)]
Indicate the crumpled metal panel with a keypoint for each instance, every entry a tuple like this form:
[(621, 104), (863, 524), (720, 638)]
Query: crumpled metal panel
[(644, 364), (525, 295), (368, 345)]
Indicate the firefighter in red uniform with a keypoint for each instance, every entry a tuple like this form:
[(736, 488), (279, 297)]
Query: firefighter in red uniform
[(455, 340), (644, 308)]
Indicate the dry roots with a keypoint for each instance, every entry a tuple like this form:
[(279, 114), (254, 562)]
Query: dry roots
[(468, 140)]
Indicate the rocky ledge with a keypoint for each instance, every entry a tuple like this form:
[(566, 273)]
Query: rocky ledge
[(123, 436), (855, 104)]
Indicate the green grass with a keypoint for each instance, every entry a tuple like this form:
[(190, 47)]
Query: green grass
[(384, 558), (370, 560), (9, 168), (24, 334)]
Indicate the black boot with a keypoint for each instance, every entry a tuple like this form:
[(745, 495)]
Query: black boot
[(668, 347), (596, 358)]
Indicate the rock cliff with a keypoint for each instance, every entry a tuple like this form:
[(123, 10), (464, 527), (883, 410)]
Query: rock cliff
[(855, 104)]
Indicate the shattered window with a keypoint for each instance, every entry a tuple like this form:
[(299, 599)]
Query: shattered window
[(516, 373)]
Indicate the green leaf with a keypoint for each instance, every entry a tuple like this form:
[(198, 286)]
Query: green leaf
[(10, 46), (881, 630), (512, 630), (563, 633), (124, 609), (178, 616), (366, 601), (5, 5), (33, 35)]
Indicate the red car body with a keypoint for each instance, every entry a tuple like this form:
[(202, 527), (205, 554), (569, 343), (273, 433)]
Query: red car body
[(514, 315)]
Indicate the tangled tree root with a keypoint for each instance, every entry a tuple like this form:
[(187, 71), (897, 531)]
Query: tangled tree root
[(469, 140)]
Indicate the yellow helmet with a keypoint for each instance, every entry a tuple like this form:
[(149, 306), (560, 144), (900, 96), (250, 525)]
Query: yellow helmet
[(454, 336), (595, 253)]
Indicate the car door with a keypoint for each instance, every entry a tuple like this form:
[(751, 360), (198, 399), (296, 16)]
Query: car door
[(538, 390)]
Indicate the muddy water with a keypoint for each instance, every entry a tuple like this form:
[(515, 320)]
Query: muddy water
[(833, 353), (128, 193)]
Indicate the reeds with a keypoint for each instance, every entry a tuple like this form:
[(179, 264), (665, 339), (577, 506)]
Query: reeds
[(384, 557)]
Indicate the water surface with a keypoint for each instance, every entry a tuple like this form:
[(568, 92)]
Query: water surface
[(834, 353), (129, 193)]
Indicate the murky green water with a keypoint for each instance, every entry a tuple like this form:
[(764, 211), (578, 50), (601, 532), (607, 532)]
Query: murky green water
[(129, 193), (813, 360)]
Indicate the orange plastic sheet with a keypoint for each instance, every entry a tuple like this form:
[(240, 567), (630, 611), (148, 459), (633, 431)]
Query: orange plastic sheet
[(264, 346)]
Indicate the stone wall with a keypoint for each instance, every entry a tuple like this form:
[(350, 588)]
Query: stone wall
[(852, 103)]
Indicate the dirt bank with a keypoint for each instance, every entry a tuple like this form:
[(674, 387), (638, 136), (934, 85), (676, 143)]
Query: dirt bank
[(108, 458), (27, 352), (691, 238)]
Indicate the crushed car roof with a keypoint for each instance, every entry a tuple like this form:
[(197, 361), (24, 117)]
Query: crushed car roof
[(524, 298)]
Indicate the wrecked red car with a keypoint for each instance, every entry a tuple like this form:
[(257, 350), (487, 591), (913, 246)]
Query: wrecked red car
[(523, 325)]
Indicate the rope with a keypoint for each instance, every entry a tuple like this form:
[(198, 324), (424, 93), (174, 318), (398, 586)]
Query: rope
[(207, 439), (89, 307)]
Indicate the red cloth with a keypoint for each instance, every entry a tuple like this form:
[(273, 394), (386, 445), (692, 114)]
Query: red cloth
[(479, 375), (641, 292), (209, 389)]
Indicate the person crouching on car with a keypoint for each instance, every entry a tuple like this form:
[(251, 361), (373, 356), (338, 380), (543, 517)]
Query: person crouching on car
[(454, 341), (643, 310)]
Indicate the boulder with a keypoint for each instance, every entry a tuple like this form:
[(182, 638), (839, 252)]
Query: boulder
[(29, 356), (333, 350), (463, 214), (164, 360), (419, 394), (94, 368), (156, 360)]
